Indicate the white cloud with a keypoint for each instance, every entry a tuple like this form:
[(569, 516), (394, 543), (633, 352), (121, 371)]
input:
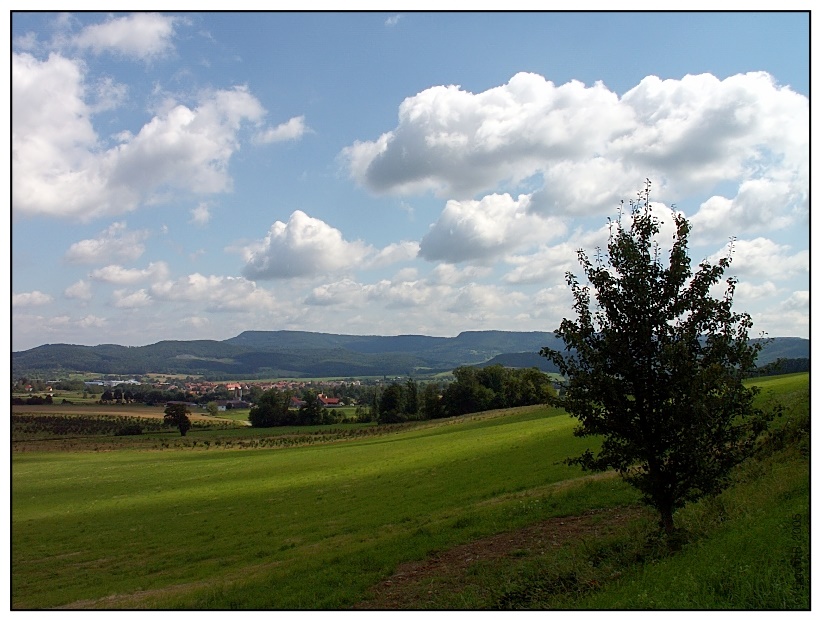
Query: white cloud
[(125, 300), (590, 146), (345, 292), (404, 295), (34, 298), (140, 35), (114, 243), (81, 289), (62, 328), (201, 214), (116, 274), (304, 246), (60, 168), (91, 321), (449, 274), (395, 253), (550, 263), (293, 129), (745, 292), (217, 293), (753, 209), (481, 230), (791, 317), (482, 302), (393, 19), (763, 258), (185, 148), (197, 322)]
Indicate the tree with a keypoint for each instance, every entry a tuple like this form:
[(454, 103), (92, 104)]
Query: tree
[(430, 402), (176, 414), (390, 405), (655, 365), (212, 408), (272, 410), (311, 412), (410, 404)]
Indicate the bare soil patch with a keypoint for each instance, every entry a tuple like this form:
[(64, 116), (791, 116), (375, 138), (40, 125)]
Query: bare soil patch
[(416, 585)]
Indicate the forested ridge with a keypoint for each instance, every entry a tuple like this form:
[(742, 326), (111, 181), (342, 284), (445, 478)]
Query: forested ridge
[(311, 354)]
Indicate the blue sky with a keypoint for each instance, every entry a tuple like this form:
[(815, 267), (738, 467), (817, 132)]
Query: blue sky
[(194, 175)]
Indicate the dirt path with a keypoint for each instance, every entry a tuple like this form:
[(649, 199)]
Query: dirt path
[(416, 585)]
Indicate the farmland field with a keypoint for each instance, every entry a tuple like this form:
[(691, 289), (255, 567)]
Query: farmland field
[(317, 525)]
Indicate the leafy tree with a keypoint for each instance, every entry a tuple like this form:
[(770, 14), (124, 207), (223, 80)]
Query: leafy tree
[(391, 405), (176, 414), (311, 412), (212, 408), (272, 409), (430, 402), (410, 406), (655, 365), (466, 394)]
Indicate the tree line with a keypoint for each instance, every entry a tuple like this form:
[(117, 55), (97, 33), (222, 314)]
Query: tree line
[(474, 389)]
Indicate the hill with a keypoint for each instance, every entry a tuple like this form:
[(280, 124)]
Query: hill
[(313, 354)]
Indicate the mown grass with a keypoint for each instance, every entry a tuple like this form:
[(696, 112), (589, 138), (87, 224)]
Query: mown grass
[(747, 548), (307, 527), (314, 527)]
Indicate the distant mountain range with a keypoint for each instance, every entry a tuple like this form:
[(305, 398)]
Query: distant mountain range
[(265, 354)]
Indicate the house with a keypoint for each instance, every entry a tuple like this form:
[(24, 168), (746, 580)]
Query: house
[(236, 388), (296, 403), (327, 401)]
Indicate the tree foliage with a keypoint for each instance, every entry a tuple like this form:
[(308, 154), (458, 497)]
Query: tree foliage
[(655, 365), (272, 409), (176, 414)]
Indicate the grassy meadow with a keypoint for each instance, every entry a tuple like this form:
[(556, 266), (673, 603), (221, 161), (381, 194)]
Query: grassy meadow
[(319, 524)]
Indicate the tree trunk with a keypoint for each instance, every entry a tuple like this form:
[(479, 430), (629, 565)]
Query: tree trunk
[(667, 521)]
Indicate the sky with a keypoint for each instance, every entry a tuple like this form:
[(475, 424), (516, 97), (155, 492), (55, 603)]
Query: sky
[(183, 176)]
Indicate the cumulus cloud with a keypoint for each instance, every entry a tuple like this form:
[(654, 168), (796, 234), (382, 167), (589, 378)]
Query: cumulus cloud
[(449, 274), (753, 209), (481, 301), (550, 262), (345, 292), (62, 328), (114, 243), (81, 289), (197, 322), (201, 214), (395, 253), (304, 246), (125, 300), (765, 259), (60, 167), (34, 298), (217, 293), (293, 129), (590, 146), (471, 229), (789, 317), (142, 36), (116, 274)]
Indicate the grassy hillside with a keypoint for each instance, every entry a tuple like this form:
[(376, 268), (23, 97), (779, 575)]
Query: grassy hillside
[(321, 525)]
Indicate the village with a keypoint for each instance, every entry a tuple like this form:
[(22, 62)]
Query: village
[(160, 391)]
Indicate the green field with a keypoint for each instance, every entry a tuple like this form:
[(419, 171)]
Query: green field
[(316, 525)]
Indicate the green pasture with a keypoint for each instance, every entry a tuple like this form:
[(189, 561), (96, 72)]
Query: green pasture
[(306, 527), (314, 526)]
